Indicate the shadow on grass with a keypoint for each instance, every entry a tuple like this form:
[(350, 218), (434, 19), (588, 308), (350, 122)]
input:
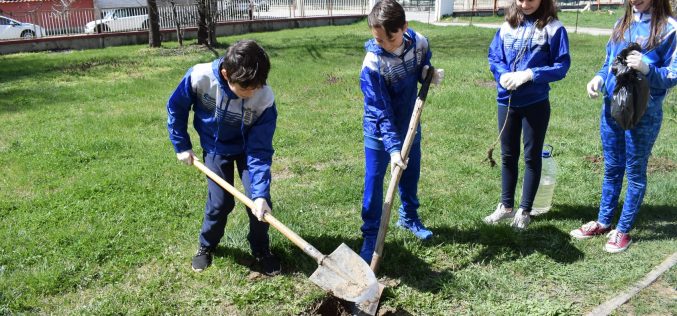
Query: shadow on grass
[(656, 222), (499, 244)]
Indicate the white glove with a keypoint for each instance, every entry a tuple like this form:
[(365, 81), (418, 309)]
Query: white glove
[(634, 61), (261, 209), (396, 160), (594, 86), (186, 157), (438, 76), (512, 80)]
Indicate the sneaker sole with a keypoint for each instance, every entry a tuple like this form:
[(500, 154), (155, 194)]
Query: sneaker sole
[(196, 270), (583, 237), (490, 222), (616, 250), (398, 225)]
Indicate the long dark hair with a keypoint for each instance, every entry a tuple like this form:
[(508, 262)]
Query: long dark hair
[(545, 13), (661, 11)]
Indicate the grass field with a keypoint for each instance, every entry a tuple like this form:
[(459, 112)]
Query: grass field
[(605, 18), (98, 217)]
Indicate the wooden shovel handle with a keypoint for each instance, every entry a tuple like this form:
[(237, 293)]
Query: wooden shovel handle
[(397, 171), (284, 230)]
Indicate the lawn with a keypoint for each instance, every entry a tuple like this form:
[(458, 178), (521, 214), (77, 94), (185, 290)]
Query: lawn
[(605, 18), (98, 217)]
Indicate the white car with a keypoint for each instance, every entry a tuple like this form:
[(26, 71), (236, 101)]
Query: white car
[(119, 20), (10, 28)]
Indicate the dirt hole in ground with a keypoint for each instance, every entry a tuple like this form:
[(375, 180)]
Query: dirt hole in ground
[(333, 306), (656, 164), (330, 306), (332, 79), (485, 83)]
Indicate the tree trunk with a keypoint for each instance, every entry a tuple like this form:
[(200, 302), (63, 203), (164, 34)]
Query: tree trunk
[(211, 22), (202, 32), (177, 23), (154, 39)]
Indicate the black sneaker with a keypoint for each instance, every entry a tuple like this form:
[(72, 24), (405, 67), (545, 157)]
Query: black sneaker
[(202, 259), (270, 264)]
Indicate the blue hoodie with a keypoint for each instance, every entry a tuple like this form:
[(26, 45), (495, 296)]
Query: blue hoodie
[(390, 84), (662, 59), (233, 127), (545, 51)]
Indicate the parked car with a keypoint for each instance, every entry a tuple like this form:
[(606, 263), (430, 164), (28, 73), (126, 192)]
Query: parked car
[(11, 28), (119, 20)]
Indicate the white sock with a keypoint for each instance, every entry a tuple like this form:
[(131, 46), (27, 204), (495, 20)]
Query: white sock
[(602, 225)]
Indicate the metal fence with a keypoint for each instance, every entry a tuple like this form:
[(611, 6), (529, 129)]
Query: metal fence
[(92, 21), (498, 5)]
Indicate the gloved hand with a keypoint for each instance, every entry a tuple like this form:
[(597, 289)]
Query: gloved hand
[(512, 80), (186, 157), (634, 61), (396, 160), (438, 76), (262, 208), (594, 86)]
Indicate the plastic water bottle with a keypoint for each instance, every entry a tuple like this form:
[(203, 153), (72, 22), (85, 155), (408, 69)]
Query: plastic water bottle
[(546, 188)]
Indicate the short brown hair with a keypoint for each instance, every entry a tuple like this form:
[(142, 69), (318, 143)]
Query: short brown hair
[(387, 14), (247, 64)]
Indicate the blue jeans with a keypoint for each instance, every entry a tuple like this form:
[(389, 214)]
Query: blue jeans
[(377, 162), (626, 152), (220, 203), (530, 122)]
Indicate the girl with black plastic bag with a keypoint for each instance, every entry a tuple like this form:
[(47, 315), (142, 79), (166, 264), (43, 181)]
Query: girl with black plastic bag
[(648, 23)]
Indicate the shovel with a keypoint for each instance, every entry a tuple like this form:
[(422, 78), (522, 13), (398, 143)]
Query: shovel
[(343, 273), (397, 171)]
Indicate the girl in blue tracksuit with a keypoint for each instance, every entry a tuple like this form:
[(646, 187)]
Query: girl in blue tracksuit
[(392, 68), (530, 50), (650, 24), (235, 117)]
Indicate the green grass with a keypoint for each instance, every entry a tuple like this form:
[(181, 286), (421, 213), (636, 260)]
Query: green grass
[(605, 18), (98, 217)]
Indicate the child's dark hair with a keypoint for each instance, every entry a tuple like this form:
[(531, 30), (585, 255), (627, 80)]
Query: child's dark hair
[(387, 14), (545, 13), (247, 64), (661, 11)]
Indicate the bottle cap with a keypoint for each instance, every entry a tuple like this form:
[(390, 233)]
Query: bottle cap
[(547, 153)]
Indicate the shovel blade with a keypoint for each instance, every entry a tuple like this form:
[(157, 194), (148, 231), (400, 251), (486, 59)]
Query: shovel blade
[(344, 274)]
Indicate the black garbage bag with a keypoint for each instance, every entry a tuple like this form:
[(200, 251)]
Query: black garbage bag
[(631, 94)]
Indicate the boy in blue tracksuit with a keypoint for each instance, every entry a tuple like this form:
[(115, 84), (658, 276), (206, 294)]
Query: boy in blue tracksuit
[(235, 118), (396, 61), (530, 50), (650, 24)]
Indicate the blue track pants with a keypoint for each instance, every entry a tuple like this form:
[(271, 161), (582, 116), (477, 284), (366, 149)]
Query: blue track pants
[(377, 162), (626, 152), (220, 203)]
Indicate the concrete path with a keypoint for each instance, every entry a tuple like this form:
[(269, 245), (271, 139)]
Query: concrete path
[(429, 17)]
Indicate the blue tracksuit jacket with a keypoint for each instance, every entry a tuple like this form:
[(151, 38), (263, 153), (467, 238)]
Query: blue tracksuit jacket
[(389, 85), (226, 124), (544, 51)]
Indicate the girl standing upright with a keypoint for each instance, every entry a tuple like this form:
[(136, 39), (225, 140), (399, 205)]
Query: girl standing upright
[(648, 23), (530, 50)]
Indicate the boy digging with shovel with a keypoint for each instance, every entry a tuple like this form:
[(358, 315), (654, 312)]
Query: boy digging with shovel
[(235, 117), (397, 59)]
